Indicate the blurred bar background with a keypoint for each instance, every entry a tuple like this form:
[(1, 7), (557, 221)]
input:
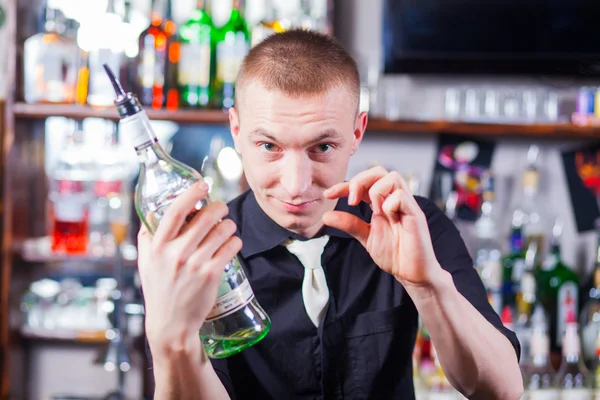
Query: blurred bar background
[(492, 111)]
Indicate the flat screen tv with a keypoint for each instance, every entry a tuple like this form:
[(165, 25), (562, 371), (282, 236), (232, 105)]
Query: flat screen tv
[(522, 37)]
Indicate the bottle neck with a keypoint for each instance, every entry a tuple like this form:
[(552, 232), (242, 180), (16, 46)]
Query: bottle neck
[(151, 155)]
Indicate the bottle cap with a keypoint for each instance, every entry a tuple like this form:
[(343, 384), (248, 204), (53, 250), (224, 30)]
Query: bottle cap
[(127, 104)]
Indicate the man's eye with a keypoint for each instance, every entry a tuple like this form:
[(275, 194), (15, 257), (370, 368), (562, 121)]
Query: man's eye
[(268, 147), (324, 148)]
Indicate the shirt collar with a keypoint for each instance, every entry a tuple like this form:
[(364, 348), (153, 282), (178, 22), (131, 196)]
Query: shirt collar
[(260, 233)]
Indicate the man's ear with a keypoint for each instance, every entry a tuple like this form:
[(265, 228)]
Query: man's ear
[(359, 130), (234, 127)]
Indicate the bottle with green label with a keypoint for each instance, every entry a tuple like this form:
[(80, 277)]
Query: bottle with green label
[(197, 58), (558, 290), (232, 45), (236, 321)]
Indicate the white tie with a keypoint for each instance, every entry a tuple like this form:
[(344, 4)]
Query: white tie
[(315, 292)]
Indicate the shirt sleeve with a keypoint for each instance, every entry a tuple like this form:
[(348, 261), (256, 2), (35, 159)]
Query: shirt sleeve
[(219, 365), (453, 256)]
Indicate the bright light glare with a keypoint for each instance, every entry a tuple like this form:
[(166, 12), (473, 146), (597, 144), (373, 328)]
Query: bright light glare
[(229, 164)]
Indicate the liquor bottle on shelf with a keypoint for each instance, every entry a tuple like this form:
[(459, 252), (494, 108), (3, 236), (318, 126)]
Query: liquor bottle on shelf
[(130, 44), (236, 321), (106, 49), (513, 263), (573, 378), (50, 63), (232, 43), (172, 60), (69, 196), (304, 18), (268, 25), (197, 60), (536, 212), (488, 252), (210, 169), (539, 376), (152, 60), (558, 290), (525, 301), (590, 314), (111, 184)]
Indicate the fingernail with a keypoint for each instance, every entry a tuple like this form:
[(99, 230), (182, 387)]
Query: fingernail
[(202, 186)]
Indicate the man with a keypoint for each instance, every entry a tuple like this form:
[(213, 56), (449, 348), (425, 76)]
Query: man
[(388, 256)]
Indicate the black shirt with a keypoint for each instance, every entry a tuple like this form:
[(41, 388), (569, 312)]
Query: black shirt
[(363, 348)]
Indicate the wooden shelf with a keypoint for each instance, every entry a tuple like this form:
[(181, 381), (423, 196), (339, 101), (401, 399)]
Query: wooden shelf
[(41, 111), (558, 130), (218, 117), (64, 335)]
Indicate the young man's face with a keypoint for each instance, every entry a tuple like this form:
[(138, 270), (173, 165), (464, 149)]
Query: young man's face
[(293, 148)]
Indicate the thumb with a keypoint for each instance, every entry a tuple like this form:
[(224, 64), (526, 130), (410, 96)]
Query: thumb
[(349, 223)]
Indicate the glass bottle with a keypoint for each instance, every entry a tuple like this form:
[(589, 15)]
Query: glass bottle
[(232, 45), (172, 60), (50, 63), (69, 195), (268, 25), (488, 252), (513, 263), (152, 60), (558, 290), (573, 378), (590, 314), (112, 180), (197, 60), (536, 215), (106, 49), (539, 378), (237, 321)]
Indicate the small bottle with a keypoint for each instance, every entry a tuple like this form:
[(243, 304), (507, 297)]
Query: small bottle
[(237, 321), (558, 290), (573, 378), (590, 315), (268, 25), (152, 60), (111, 184), (539, 379), (50, 62), (69, 196), (488, 252)]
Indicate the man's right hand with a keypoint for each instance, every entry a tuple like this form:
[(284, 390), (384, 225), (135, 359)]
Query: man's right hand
[(180, 269)]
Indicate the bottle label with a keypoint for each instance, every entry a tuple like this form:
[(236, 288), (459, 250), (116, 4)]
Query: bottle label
[(543, 394), (576, 394), (567, 301), (230, 53), (194, 64), (138, 130), (231, 301)]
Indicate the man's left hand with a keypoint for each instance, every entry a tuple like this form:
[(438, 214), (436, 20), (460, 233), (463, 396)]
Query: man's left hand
[(398, 237)]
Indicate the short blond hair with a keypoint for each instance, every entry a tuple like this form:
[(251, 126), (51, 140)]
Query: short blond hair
[(299, 63)]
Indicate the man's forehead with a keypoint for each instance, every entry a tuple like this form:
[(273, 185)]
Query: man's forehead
[(256, 95)]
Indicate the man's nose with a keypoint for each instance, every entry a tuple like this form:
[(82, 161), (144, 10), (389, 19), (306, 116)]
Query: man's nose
[(296, 175)]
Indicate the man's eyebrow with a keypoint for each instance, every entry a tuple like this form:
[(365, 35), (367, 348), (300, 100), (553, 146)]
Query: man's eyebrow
[(260, 132), (329, 133)]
